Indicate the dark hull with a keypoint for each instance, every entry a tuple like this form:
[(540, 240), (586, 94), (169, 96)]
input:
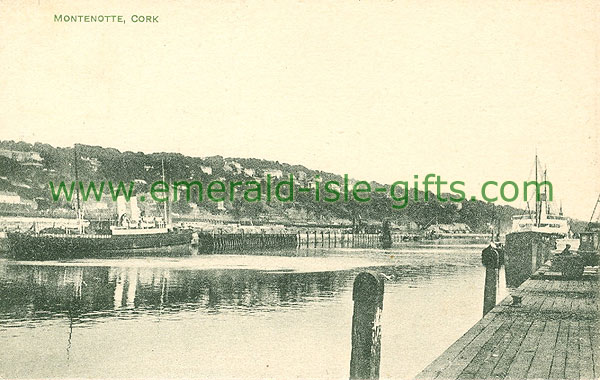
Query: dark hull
[(25, 246), (524, 253), (3, 244)]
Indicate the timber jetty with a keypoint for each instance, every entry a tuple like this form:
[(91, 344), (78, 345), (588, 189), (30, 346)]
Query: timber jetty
[(231, 242), (549, 328), (221, 242)]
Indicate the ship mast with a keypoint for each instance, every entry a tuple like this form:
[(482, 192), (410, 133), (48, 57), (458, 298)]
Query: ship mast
[(561, 211), (162, 162), (594, 210), (78, 205), (537, 200), (545, 198)]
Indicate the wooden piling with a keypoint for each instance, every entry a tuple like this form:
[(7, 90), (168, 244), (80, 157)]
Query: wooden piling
[(489, 292), (367, 295), (490, 259)]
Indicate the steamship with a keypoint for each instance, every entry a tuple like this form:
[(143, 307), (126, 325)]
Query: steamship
[(533, 238), (47, 245), (128, 234)]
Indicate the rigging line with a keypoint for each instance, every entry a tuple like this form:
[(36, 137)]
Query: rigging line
[(529, 210), (527, 207), (594, 211)]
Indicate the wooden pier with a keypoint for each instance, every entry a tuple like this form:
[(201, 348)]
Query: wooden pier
[(338, 239), (243, 242), (553, 333), (220, 242), (227, 242), (344, 239)]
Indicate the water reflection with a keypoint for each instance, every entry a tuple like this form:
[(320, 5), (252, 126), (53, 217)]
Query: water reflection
[(29, 293), (175, 318)]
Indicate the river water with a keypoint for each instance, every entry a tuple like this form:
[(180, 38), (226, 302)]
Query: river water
[(232, 316)]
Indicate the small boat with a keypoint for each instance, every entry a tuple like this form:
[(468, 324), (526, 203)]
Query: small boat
[(572, 264)]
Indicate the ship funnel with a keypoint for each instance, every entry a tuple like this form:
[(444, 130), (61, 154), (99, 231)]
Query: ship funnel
[(135, 211), (121, 206)]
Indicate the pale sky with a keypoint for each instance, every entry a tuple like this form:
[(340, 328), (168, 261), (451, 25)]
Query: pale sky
[(381, 90)]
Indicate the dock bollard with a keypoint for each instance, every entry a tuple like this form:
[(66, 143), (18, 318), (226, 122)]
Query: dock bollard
[(489, 293), (367, 295), (490, 259), (516, 300)]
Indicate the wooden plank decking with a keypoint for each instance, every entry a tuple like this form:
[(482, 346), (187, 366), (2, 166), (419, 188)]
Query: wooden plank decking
[(553, 334)]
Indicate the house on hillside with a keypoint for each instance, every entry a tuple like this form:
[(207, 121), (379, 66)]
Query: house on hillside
[(11, 201), (206, 170), (313, 183), (404, 226), (9, 197), (21, 156), (301, 178), (275, 173), (93, 162), (454, 228), (232, 166)]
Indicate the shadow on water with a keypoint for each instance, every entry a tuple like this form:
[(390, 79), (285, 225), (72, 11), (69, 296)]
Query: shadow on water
[(87, 293), (29, 293)]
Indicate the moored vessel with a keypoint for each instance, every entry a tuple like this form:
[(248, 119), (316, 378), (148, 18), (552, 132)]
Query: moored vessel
[(129, 234), (51, 246), (533, 237)]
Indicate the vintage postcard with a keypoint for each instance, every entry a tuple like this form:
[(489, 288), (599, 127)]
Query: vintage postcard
[(299, 189)]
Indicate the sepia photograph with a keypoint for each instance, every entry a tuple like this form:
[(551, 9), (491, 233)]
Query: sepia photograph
[(299, 189)]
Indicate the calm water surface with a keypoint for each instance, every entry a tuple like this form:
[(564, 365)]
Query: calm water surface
[(226, 316)]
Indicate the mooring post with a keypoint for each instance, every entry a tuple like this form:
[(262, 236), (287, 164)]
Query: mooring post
[(490, 259), (367, 295), (489, 293)]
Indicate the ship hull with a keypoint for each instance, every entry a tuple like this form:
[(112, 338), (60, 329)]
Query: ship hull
[(524, 253), (25, 246)]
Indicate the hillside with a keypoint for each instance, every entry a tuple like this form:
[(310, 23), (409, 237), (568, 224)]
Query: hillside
[(27, 169)]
